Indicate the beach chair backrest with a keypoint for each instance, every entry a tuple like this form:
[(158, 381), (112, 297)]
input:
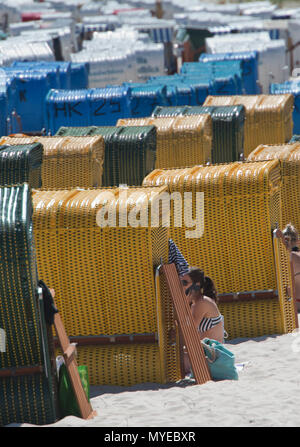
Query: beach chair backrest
[(26, 384)]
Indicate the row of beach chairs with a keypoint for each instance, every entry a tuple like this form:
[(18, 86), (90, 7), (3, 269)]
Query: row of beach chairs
[(111, 297)]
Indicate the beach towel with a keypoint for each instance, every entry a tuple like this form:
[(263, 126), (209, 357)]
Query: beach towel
[(49, 306), (176, 257)]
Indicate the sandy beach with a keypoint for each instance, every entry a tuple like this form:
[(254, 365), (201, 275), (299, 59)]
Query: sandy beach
[(267, 394)]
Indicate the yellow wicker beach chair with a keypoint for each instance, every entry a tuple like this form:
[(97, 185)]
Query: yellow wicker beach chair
[(268, 117), (103, 275), (240, 208), (289, 156), (181, 141), (68, 162)]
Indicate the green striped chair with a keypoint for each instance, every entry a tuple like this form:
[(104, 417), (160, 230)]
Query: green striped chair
[(26, 374)]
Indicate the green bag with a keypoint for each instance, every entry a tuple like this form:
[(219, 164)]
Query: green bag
[(67, 400), (220, 360)]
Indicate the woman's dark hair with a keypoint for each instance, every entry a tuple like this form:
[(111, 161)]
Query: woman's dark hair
[(206, 283), (291, 231)]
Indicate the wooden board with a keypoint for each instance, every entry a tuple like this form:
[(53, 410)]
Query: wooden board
[(69, 352), (187, 325)]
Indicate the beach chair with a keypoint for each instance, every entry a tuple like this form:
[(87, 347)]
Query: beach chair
[(181, 140), (109, 300), (238, 206), (21, 163), (26, 381), (68, 162), (227, 128), (129, 152), (289, 156), (268, 118)]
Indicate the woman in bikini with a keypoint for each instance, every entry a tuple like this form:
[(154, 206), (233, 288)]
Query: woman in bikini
[(202, 297)]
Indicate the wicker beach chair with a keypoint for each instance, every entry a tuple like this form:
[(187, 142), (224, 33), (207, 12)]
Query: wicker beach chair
[(109, 299), (21, 163), (129, 152), (181, 140), (240, 206), (26, 382), (268, 117), (68, 162), (289, 157), (227, 124)]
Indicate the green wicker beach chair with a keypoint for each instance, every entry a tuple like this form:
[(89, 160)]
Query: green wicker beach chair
[(21, 163), (75, 131), (228, 128), (129, 151), (26, 381)]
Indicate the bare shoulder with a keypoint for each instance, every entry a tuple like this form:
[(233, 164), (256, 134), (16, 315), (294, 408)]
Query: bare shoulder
[(198, 311), (209, 303)]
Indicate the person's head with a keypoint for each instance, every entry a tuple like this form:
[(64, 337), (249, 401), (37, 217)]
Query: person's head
[(196, 284), (290, 235)]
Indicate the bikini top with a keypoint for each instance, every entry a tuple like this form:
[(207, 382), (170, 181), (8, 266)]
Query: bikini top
[(208, 323)]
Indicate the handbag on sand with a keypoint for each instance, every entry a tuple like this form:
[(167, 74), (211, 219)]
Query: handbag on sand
[(67, 400), (220, 360)]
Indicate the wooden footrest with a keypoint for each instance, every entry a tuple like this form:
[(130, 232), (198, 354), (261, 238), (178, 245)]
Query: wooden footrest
[(187, 325), (69, 351)]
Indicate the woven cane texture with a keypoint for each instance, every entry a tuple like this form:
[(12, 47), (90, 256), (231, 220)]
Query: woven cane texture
[(75, 131), (181, 141), (289, 156), (241, 207), (121, 365), (108, 133), (170, 111), (228, 128), (252, 318), (237, 198), (20, 164), (68, 161), (268, 117), (103, 276), (24, 398), (129, 152)]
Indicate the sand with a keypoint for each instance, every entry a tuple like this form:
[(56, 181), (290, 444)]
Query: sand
[(267, 394)]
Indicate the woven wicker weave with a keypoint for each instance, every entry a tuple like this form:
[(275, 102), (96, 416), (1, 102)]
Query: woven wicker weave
[(109, 134), (20, 164), (181, 141), (268, 117), (23, 397), (289, 155), (241, 207), (228, 128), (75, 131), (68, 161), (129, 152), (104, 280)]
